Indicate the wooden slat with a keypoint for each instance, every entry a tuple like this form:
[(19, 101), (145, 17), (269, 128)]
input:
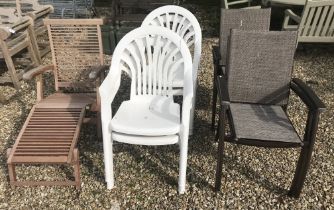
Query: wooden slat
[(315, 21), (44, 144), (41, 153), (328, 21), (39, 159), (73, 21), (322, 19), (308, 22)]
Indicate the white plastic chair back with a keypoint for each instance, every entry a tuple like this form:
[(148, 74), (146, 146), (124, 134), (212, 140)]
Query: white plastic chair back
[(184, 23), (151, 56)]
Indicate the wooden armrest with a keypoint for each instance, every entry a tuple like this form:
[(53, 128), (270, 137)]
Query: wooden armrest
[(96, 70), (36, 71), (43, 10), (5, 32), (292, 15), (17, 24)]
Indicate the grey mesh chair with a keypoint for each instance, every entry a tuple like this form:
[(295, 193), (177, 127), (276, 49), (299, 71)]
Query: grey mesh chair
[(254, 19), (254, 95)]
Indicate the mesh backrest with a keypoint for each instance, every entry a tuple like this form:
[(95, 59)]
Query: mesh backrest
[(243, 19), (260, 66), (76, 48)]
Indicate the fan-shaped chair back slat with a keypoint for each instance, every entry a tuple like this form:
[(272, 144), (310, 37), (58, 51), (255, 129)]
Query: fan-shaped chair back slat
[(151, 61)]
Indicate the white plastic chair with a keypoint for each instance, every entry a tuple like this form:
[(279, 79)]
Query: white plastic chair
[(150, 55), (185, 24)]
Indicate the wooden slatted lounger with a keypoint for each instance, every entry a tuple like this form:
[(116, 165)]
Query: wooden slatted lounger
[(50, 133)]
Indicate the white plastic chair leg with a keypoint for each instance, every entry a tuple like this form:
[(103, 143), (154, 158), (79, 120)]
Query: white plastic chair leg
[(192, 111), (192, 115), (108, 159), (183, 166)]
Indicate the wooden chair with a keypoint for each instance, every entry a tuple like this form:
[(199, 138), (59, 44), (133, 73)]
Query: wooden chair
[(151, 55), (37, 12), (254, 19), (51, 131), (254, 95), (16, 35), (315, 24)]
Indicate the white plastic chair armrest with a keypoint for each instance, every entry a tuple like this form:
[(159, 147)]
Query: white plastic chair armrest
[(108, 91), (188, 93)]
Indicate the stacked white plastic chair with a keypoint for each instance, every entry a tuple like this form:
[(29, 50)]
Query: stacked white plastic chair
[(151, 56), (185, 24)]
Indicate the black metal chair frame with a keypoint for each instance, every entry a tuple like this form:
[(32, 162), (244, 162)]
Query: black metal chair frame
[(308, 97)]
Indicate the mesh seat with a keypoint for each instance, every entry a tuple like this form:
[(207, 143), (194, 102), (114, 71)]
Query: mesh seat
[(262, 122)]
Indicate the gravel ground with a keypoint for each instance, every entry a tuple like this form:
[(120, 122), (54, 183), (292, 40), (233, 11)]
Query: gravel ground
[(146, 177)]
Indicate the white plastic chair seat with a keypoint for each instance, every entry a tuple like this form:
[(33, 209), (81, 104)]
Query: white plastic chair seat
[(147, 116)]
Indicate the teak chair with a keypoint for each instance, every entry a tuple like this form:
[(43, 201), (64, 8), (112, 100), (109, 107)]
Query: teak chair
[(51, 131), (254, 94), (151, 55), (316, 23), (16, 35), (185, 24), (37, 12), (250, 20)]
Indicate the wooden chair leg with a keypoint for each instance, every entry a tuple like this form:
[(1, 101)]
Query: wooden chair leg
[(8, 152), (12, 173), (33, 47), (76, 165), (11, 68), (99, 126)]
